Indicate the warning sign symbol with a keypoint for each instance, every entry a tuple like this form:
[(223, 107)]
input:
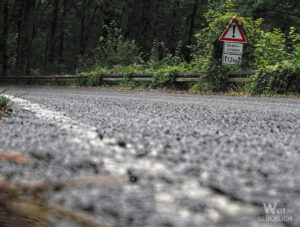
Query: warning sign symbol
[(233, 33)]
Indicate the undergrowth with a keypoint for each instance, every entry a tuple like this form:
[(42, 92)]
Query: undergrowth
[(273, 54), (5, 104)]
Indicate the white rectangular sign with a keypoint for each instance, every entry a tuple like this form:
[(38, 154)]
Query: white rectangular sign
[(233, 48), (231, 59)]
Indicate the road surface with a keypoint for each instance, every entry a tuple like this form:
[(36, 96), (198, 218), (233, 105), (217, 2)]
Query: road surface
[(184, 160)]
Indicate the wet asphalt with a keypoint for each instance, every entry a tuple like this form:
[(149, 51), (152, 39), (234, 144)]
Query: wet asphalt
[(183, 160)]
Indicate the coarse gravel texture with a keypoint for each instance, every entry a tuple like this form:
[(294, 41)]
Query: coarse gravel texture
[(184, 160)]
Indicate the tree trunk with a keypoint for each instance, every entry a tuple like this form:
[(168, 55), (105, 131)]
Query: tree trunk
[(53, 32), (87, 21), (173, 35), (192, 24), (25, 43), (4, 38), (191, 21), (62, 32), (82, 28), (19, 26), (51, 36)]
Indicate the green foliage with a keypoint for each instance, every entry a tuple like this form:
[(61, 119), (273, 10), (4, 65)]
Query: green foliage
[(130, 69), (209, 46), (127, 83), (5, 105), (202, 87), (207, 52), (45, 37), (4, 102), (164, 77), (263, 50), (160, 56), (279, 79), (165, 72), (239, 89), (294, 39), (147, 37), (270, 49), (229, 6), (276, 14), (278, 61), (115, 49), (92, 78)]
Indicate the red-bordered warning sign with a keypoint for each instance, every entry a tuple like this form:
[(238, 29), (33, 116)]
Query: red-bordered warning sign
[(233, 33)]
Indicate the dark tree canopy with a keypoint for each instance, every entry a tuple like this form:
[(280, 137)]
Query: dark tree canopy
[(50, 36)]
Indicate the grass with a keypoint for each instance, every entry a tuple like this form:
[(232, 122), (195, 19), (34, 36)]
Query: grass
[(242, 90), (5, 104)]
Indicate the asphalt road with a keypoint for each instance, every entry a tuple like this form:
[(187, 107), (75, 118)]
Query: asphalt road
[(184, 160)]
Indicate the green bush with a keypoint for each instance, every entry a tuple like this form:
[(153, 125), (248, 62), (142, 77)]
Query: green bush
[(275, 55), (207, 40), (161, 56), (207, 52), (5, 105), (127, 83), (278, 63), (202, 87), (294, 44), (130, 69), (166, 76), (114, 49), (279, 79), (4, 102), (270, 49), (92, 78), (263, 52)]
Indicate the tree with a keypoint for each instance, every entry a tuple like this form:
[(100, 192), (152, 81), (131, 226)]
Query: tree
[(281, 14), (52, 33), (49, 35), (25, 36), (4, 34)]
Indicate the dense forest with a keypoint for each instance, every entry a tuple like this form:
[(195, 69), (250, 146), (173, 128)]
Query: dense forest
[(56, 36)]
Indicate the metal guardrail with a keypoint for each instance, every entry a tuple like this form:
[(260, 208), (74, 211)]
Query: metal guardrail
[(240, 76), (233, 77)]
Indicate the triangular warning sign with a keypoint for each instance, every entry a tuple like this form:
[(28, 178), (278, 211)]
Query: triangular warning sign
[(233, 33)]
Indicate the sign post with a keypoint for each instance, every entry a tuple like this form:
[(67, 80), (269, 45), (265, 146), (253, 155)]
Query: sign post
[(233, 38)]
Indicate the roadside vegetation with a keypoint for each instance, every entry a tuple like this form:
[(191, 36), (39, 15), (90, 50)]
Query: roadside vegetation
[(94, 38), (5, 105), (273, 54)]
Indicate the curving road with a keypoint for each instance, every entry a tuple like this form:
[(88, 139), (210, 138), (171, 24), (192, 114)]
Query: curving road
[(184, 160)]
